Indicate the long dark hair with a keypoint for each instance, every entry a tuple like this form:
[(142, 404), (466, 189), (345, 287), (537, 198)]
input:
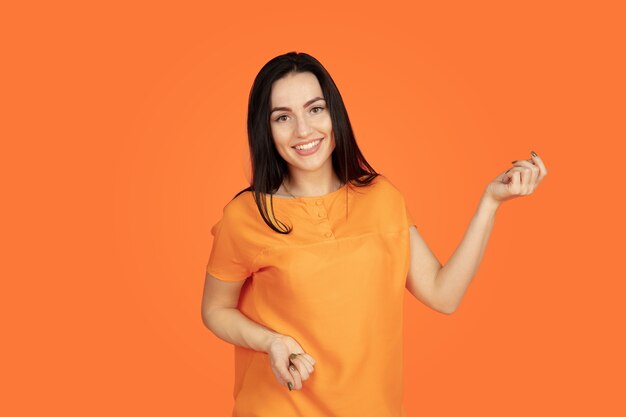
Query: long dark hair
[(268, 167)]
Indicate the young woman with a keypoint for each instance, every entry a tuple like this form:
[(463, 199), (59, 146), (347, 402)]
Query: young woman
[(309, 264)]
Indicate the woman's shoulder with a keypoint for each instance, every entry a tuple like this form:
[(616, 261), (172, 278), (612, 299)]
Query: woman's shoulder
[(244, 209), (383, 186), (238, 206), (240, 214)]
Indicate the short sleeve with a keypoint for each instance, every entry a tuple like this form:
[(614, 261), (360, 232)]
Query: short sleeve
[(230, 258)]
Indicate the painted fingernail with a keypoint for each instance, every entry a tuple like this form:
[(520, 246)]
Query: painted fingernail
[(533, 153), (289, 385)]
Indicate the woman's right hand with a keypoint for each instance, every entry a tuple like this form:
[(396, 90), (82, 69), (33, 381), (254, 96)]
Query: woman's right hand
[(280, 350)]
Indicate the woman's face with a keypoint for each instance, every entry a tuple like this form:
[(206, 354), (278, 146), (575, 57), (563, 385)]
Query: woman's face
[(299, 116)]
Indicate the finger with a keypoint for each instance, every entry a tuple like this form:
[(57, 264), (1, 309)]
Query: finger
[(308, 358), (302, 359), (534, 172), (524, 169), (542, 168), (526, 176), (286, 376), (516, 180), (303, 365), (296, 377), (510, 173), (302, 368), (535, 177)]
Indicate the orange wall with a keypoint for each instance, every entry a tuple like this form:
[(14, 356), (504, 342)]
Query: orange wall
[(124, 137)]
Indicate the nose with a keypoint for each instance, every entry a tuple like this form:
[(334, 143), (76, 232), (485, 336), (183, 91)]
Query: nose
[(303, 128)]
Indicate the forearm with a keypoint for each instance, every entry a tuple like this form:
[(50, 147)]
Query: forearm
[(454, 277), (231, 325)]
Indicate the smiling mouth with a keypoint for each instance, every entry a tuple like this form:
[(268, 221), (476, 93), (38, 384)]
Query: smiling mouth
[(308, 145)]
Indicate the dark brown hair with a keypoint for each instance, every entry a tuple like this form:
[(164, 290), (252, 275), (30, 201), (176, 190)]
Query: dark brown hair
[(268, 167)]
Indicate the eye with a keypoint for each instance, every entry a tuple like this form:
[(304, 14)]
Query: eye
[(280, 118), (317, 108)]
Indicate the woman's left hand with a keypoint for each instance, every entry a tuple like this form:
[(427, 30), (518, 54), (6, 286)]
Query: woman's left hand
[(520, 180)]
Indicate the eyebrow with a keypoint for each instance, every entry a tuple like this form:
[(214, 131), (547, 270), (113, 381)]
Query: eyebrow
[(313, 100)]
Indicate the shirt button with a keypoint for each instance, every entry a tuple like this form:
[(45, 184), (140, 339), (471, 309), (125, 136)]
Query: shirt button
[(319, 202), (328, 234)]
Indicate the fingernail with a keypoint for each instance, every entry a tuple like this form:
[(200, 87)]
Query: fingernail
[(533, 153), (289, 385)]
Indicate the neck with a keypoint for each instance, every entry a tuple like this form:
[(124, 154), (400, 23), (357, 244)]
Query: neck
[(311, 183)]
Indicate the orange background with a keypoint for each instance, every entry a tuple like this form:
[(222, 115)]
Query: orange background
[(123, 130)]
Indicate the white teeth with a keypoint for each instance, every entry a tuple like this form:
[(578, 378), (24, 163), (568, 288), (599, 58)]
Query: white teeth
[(309, 145)]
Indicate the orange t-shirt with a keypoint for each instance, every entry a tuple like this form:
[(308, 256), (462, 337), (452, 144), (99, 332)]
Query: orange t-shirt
[(335, 284)]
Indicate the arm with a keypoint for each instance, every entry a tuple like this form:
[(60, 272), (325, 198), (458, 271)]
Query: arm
[(442, 288), (453, 279), (221, 316)]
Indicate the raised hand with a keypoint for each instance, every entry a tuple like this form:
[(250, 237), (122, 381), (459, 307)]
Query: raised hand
[(518, 181)]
